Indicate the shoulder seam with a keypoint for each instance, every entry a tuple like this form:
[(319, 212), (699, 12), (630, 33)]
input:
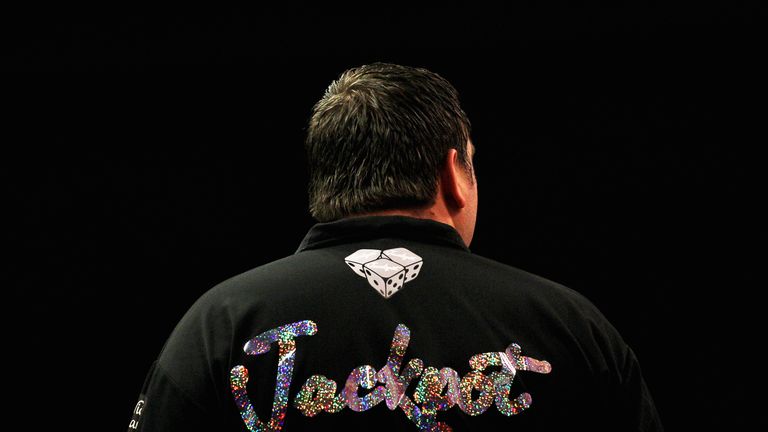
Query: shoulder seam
[(180, 389)]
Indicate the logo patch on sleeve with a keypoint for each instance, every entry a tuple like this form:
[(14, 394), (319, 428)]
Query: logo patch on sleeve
[(386, 271), (137, 410)]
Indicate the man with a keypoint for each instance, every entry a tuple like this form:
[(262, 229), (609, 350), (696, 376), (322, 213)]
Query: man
[(383, 319)]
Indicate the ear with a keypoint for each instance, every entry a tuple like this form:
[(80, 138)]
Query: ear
[(452, 181)]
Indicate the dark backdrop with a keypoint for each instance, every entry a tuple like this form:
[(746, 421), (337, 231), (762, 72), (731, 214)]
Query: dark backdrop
[(150, 155)]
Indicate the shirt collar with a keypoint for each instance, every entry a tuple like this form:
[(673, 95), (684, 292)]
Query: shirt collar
[(370, 227)]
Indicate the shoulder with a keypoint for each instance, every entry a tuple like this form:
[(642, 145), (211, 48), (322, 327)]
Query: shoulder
[(505, 279), (534, 295), (256, 282)]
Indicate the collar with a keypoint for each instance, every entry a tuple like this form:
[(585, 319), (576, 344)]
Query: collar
[(370, 227)]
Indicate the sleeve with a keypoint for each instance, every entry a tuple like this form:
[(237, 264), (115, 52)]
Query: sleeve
[(164, 406), (633, 402), (624, 402), (187, 387)]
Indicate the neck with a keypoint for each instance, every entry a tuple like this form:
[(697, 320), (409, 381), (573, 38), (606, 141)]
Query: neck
[(420, 214), (437, 212)]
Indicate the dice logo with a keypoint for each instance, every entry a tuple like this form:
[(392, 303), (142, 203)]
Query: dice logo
[(385, 270)]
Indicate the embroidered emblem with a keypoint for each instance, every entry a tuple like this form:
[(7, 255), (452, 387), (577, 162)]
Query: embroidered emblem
[(386, 271)]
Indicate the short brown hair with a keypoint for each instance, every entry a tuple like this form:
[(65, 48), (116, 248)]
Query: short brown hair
[(377, 140)]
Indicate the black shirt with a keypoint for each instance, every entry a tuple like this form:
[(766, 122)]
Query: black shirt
[(391, 323)]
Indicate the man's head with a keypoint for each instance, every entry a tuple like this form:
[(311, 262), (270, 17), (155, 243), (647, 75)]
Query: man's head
[(382, 138)]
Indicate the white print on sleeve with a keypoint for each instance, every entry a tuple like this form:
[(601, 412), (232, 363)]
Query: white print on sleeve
[(386, 271)]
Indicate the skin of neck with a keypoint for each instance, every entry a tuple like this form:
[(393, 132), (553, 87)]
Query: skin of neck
[(455, 202), (438, 212)]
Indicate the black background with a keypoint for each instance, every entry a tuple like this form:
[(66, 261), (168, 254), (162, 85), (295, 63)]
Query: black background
[(151, 154)]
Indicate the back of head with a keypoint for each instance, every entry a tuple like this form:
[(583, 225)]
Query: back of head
[(377, 140)]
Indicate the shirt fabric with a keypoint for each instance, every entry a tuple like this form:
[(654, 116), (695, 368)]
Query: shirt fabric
[(391, 323)]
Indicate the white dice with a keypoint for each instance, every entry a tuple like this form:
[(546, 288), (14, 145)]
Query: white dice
[(407, 259), (360, 258), (385, 276), (386, 271)]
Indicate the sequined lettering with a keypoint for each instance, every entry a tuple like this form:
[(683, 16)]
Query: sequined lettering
[(436, 390)]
